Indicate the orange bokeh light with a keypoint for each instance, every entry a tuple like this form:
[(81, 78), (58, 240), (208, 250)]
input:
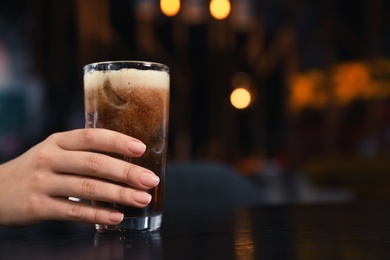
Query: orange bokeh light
[(308, 90), (170, 7), (240, 98), (353, 80), (220, 9)]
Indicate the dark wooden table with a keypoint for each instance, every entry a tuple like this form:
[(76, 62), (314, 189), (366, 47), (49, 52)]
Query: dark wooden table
[(358, 230)]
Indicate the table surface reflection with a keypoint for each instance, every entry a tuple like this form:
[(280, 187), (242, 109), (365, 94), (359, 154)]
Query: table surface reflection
[(358, 230)]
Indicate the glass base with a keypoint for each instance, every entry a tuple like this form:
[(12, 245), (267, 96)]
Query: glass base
[(133, 224)]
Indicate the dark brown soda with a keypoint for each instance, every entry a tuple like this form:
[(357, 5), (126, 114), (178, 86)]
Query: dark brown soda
[(142, 113)]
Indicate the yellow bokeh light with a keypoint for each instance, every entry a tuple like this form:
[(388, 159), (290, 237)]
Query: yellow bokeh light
[(240, 98), (170, 7), (220, 9)]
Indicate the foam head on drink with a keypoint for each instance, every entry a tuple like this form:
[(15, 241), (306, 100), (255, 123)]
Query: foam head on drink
[(136, 103), (128, 100)]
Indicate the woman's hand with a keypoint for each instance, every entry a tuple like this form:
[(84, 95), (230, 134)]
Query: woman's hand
[(36, 185)]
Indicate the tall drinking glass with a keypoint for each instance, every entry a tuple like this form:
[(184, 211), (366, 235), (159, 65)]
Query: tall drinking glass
[(132, 97)]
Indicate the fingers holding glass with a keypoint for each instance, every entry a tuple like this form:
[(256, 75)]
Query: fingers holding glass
[(105, 167), (99, 140), (97, 189), (63, 209)]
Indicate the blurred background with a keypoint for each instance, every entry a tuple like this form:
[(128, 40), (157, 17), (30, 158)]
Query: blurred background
[(292, 95)]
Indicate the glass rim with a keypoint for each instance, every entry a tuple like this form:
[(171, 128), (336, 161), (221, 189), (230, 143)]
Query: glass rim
[(122, 64)]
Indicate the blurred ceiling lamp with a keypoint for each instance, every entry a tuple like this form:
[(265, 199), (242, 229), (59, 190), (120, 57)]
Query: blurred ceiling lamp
[(146, 10), (241, 97), (194, 11), (220, 9), (170, 7)]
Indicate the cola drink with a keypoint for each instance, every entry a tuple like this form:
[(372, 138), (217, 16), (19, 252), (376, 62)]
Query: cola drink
[(132, 98)]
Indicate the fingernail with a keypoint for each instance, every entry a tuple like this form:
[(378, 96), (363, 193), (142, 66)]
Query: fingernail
[(149, 179), (142, 197), (115, 217), (136, 147)]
